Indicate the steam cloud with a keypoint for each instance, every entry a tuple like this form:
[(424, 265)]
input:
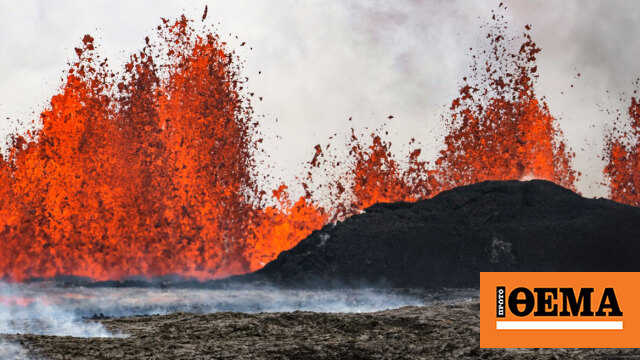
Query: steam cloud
[(61, 309), (49, 309), (25, 310), (12, 351)]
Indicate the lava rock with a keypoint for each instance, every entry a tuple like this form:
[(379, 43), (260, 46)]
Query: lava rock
[(446, 241)]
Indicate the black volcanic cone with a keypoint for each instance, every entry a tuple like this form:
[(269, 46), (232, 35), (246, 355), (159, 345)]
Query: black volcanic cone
[(447, 240)]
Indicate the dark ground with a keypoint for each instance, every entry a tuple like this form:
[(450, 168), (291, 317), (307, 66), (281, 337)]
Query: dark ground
[(440, 331), (441, 242), (447, 240)]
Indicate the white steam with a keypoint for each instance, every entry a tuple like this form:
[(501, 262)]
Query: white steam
[(61, 309), (27, 311), (48, 308), (12, 351)]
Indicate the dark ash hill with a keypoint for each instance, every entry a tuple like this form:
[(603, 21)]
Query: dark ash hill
[(447, 240)]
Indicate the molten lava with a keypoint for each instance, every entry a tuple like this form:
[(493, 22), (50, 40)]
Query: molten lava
[(499, 129), (147, 172), (150, 171), (372, 175), (623, 155)]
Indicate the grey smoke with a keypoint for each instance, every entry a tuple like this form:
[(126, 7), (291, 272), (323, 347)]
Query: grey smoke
[(25, 310), (50, 305), (51, 308), (12, 351)]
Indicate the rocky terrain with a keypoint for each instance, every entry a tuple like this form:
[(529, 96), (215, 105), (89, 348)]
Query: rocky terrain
[(443, 242), (447, 240), (440, 331)]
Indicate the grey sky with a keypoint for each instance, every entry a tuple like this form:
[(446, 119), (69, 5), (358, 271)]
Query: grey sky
[(324, 61)]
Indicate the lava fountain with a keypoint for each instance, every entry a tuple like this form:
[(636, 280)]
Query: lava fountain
[(148, 171), (151, 171), (623, 155), (498, 129)]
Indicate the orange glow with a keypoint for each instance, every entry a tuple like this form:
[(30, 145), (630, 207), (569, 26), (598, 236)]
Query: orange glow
[(281, 227), (371, 174), (499, 129), (623, 155), (145, 172), (150, 171)]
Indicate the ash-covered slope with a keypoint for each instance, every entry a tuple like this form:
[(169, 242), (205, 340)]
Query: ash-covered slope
[(447, 240)]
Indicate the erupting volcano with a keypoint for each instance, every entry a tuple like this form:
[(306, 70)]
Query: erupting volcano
[(623, 155), (498, 128), (151, 170), (144, 172)]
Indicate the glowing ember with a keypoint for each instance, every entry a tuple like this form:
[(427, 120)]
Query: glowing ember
[(145, 172), (371, 175), (499, 129), (623, 155), (281, 227), (150, 171)]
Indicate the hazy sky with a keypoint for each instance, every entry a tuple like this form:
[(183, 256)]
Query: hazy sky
[(325, 61)]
